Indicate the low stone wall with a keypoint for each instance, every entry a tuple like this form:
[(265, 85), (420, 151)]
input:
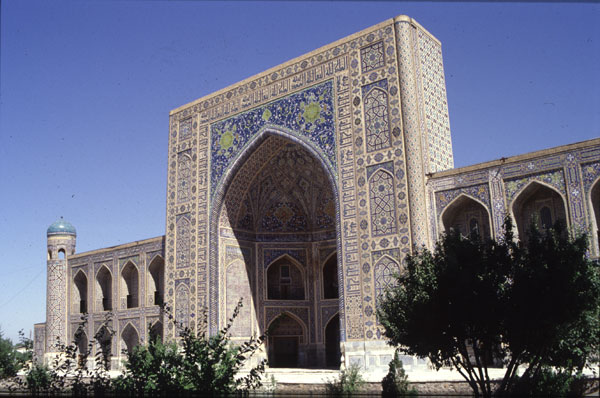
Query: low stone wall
[(437, 388)]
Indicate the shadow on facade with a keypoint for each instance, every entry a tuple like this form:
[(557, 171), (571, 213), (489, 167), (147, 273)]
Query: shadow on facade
[(277, 252)]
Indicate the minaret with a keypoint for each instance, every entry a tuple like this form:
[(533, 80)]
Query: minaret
[(61, 244)]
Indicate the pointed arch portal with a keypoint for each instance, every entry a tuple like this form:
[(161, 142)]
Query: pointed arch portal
[(538, 204), (276, 208)]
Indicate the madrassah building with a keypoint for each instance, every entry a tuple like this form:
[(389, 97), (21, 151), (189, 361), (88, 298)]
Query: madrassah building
[(300, 190)]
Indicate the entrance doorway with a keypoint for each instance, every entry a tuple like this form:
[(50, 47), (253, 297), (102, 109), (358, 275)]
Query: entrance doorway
[(285, 336)]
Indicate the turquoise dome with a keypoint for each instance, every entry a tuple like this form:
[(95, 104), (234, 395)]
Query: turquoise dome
[(61, 227)]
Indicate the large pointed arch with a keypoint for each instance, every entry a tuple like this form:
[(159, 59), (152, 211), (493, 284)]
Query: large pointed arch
[(460, 214), (540, 203), (219, 197)]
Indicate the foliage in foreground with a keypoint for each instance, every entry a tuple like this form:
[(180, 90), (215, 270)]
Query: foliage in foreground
[(205, 365), (69, 370), (11, 360), (395, 383), (347, 384), (199, 365), (534, 303)]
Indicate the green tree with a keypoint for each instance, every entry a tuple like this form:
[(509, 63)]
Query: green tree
[(205, 365), (471, 300), (11, 360)]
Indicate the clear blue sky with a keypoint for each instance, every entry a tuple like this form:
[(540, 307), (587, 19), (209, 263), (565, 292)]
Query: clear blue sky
[(86, 89)]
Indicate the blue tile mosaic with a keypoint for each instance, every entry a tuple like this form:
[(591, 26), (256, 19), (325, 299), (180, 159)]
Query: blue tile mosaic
[(308, 113)]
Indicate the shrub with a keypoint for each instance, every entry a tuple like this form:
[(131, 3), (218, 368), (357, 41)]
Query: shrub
[(205, 365), (348, 383), (546, 382), (38, 379), (395, 383)]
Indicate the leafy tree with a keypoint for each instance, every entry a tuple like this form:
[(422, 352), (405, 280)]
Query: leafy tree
[(11, 360), (535, 302), (205, 365)]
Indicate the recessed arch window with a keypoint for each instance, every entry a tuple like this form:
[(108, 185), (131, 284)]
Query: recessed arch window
[(467, 216), (130, 285), (540, 205), (103, 339), (104, 289), (156, 331), (80, 292), (157, 280), (129, 338), (284, 281)]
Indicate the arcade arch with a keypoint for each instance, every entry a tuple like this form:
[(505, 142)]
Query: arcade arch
[(157, 280), (129, 338), (80, 293), (104, 289), (467, 216), (130, 286), (540, 204)]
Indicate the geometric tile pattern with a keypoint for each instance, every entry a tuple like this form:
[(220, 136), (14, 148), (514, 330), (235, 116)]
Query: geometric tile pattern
[(480, 192), (554, 178), (435, 104), (376, 116), (183, 242), (372, 57), (385, 271), (383, 205), (309, 113), (184, 174)]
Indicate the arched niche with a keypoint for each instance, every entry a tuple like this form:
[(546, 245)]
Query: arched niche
[(595, 213), (80, 288), (81, 342), (103, 339), (129, 338), (104, 289), (332, 342), (467, 216), (156, 269), (129, 286), (276, 205), (285, 280), (330, 278), (538, 204), (156, 331), (285, 341)]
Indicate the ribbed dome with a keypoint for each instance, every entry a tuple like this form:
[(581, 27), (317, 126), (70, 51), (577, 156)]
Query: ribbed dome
[(61, 227)]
